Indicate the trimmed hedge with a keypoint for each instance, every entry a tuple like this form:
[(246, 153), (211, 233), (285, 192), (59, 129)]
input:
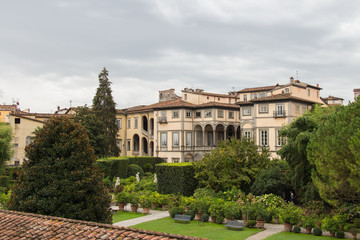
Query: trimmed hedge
[(176, 178), (4, 181), (118, 166)]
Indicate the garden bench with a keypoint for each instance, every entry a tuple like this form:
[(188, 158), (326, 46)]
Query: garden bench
[(182, 218), (234, 225)]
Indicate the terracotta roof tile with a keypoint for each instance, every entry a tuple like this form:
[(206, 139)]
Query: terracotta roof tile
[(257, 89), (19, 225)]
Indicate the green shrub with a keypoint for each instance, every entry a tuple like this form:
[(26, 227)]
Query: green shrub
[(357, 222), (190, 213), (133, 169), (112, 167), (108, 183), (123, 197), (205, 217), (220, 219), (144, 162), (177, 178), (4, 181), (296, 229), (340, 234), (176, 210), (317, 231), (250, 223)]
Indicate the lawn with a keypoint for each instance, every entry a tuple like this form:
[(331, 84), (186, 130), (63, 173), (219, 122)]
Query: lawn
[(196, 229), (122, 216), (297, 236)]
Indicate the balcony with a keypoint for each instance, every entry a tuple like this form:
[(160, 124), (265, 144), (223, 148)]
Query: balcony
[(163, 120), (279, 114)]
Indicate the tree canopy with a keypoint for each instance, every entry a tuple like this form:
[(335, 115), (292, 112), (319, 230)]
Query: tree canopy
[(232, 163), (334, 149), (5, 143), (60, 177)]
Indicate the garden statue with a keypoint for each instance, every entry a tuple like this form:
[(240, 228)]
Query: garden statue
[(137, 177), (155, 178), (117, 183)]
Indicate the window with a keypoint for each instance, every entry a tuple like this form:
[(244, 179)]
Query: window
[(287, 90), (136, 122), (128, 145), (129, 123), (262, 95), (254, 95), (247, 134), (163, 140), (175, 160), (163, 116), (263, 138), (263, 108), (175, 139), (175, 114), (208, 114), (185, 96), (231, 115), (28, 140), (218, 99), (119, 143), (246, 112), (297, 108), (17, 120), (188, 139), (207, 97), (220, 113), (309, 92), (304, 109), (317, 94), (118, 123), (245, 97), (280, 110), (197, 114), (279, 139), (188, 114)]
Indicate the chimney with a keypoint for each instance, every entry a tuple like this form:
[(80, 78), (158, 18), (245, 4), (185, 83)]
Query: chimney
[(317, 85), (58, 107), (291, 80)]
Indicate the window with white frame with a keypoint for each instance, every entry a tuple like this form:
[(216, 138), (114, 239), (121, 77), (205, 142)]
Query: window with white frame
[(280, 110), (309, 92), (188, 114), (287, 90), (220, 113), (185, 96), (175, 139), (118, 123), (119, 144), (28, 140), (136, 120), (264, 137), (163, 116), (247, 134), (246, 112), (128, 145), (304, 108), (254, 95), (245, 97), (128, 123), (188, 139), (208, 114), (197, 114), (297, 108), (175, 114), (231, 115), (175, 160), (263, 108), (279, 139), (262, 95), (163, 139)]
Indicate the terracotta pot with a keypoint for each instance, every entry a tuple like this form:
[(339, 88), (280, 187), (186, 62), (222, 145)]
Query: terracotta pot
[(121, 206), (134, 207), (187, 209), (245, 221), (354, 235), (153, 206), (332, 234), (213, 219), (198, 216), (308, 230), (260, 223), (288, 227), (146, 210), (163, 207), (276, 220)]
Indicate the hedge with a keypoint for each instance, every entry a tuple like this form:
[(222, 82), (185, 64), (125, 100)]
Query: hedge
[(176, 178), (118, 166), (4, 181)]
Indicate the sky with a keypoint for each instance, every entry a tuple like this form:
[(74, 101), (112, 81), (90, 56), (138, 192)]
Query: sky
[(51, 52)]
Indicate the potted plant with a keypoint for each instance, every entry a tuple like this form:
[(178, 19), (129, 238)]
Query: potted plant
[(145, 202), (122, 198), (260, 213), (163, 200), (154, 199), (216, 209), (248, 212), (200, 206), (186, 202), (290, 216), (134, 201), (308, 223), (351, 228), (332, 225), (231, 210)]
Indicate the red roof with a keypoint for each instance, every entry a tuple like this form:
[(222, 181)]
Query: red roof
[(20, 225)]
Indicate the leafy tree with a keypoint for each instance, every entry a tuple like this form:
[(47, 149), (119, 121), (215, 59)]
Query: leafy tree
[(275, 179), (232, 163), (334, 149), (105, 112), (298, 134), (60, 177), (5, 143)]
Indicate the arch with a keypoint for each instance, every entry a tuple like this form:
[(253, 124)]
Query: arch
[(238, 133), (219, 134), (209, 134), (198, 135), (144, 144), (230, 132), (151, 126), (136, 143), (151, 148), (144, 121), (189, 157)]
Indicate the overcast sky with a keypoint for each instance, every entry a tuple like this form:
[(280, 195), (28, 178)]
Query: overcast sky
[(51, 52)]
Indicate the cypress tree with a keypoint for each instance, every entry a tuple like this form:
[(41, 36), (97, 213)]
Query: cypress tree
[(105, 112), (60, 177)]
